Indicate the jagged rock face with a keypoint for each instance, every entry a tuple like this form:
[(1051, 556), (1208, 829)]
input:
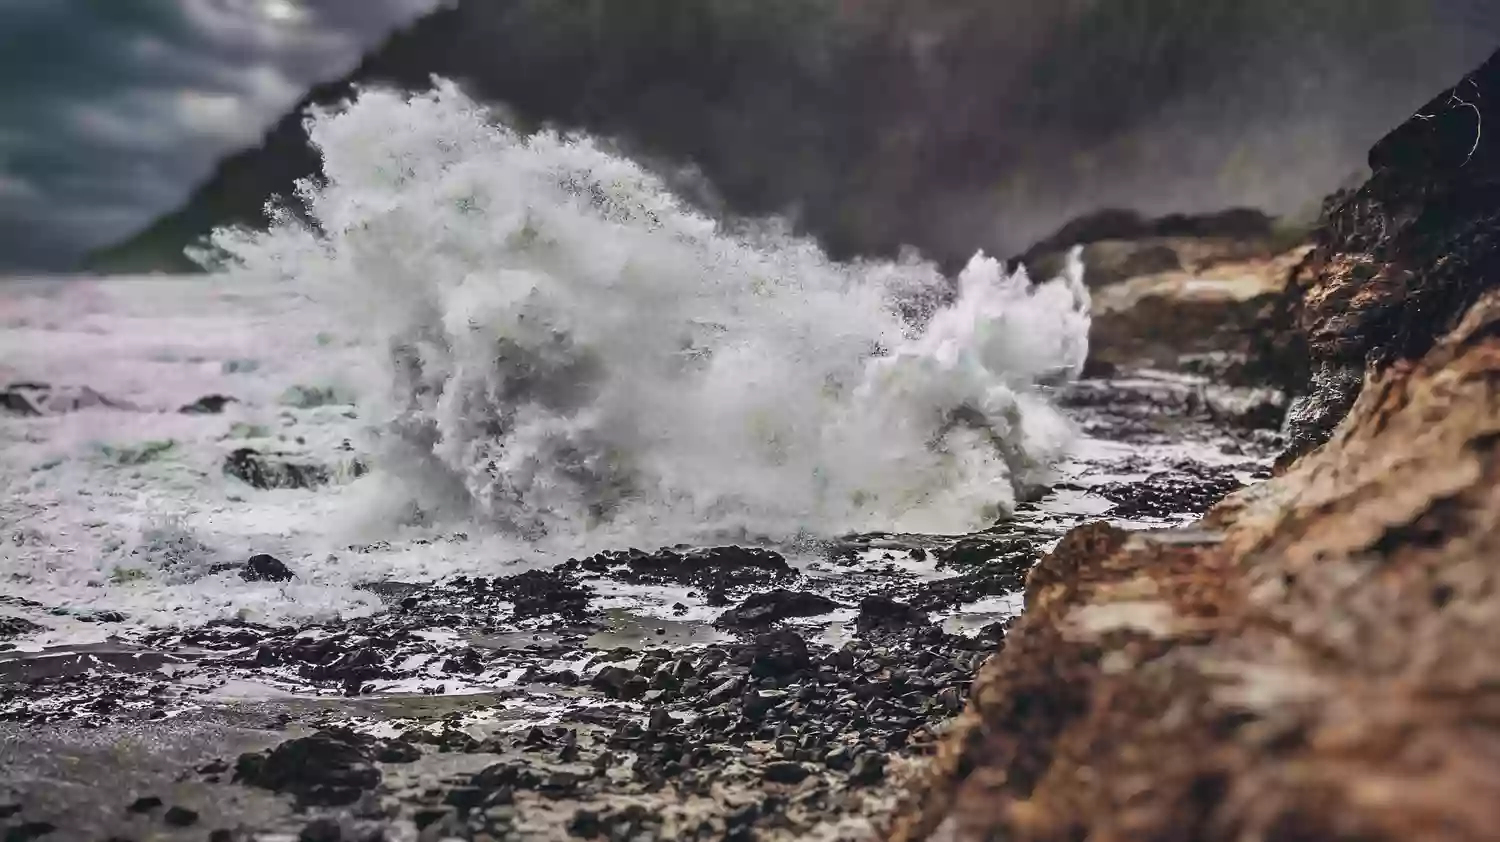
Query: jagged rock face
[(1315, 661), (1317, 658), (1397, 262)]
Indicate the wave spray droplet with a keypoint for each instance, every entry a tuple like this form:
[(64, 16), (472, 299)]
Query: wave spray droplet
[(579, 355)]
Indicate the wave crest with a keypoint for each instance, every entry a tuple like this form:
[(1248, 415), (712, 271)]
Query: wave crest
[(573, 350)]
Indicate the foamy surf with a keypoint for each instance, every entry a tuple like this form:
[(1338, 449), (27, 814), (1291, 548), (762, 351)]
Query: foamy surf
[(578, 357)]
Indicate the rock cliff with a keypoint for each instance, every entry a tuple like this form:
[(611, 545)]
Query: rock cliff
[(1316, 658)]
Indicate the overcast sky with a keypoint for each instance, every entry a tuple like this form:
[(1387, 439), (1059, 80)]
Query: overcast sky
[(111, 110)]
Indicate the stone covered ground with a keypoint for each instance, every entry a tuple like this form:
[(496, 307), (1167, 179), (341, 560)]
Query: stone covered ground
[(785, 693)]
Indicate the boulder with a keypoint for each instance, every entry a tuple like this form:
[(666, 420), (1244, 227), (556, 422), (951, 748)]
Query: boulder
[(33, 399), (207, 405), (763, 609), (1395, 264), (267, 471), (266, 568), (328, 768)]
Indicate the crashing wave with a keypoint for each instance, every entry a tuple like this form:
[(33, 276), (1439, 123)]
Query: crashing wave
[(574, 350)]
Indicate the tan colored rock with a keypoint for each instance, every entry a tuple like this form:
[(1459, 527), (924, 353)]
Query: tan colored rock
[(1319, 659), (1156, 319)]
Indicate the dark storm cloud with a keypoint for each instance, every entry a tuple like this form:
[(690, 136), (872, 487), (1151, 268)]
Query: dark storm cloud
[(110, 110)]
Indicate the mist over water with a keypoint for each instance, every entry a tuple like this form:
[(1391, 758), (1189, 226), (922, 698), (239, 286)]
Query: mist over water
[(575, 352)]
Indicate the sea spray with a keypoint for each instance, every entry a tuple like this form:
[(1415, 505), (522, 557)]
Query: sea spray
[(578, 355)]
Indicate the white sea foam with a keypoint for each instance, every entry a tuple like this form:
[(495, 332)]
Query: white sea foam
[(553, 355), (574, 352)]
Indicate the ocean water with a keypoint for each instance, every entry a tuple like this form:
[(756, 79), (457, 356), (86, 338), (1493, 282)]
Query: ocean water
[(538, 351)]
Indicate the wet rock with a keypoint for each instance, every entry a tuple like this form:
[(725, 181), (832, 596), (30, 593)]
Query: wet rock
[(712, 569), (266, 568), (329, 768), (34, 399), (321, 830), (1396, 263), (16, 627), (539, 592), (180, 816), (19, 401), (997, 579), (1260, 674), (208, 405), (869, 768), (611, 680), (396, 751), (1188, 488), (145, 804), (728, 689), (28, 830), (785, 773), (979, 550), (776, 653), (763, 609), (880, 614), (268, 471)]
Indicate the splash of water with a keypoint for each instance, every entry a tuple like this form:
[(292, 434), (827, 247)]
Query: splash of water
[(574, 351)]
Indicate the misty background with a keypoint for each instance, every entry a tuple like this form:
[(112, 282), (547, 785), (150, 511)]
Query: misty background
[(129, 128)]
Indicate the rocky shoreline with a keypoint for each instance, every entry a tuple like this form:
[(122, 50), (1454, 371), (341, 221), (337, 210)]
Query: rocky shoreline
[(1312, 660), (1308, 660), (760, 699)]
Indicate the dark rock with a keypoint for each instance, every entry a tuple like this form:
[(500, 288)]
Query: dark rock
[(776, 653), (266, 568), (27, 831), (1396, 263), (505, 776), (980, 550), (765, 608), (265, 471), (329, 768), (208, 405), (537, 593), (33, 399), (869, 768), (990, 580), (145, 804), (724, 691), (397, 751), (321, 830), (465, 798), (180, 816), (19, 402), (1189, 488), (634, 688), (713, 569), (840, 758), (16, 627), (611, 680), (1130, 225), (881, 614), (785, 772)]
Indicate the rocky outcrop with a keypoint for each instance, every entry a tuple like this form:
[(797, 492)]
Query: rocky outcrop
[(1175, 292), (1204, 313), (1316, 659), (1397, 262), (34, 399)]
